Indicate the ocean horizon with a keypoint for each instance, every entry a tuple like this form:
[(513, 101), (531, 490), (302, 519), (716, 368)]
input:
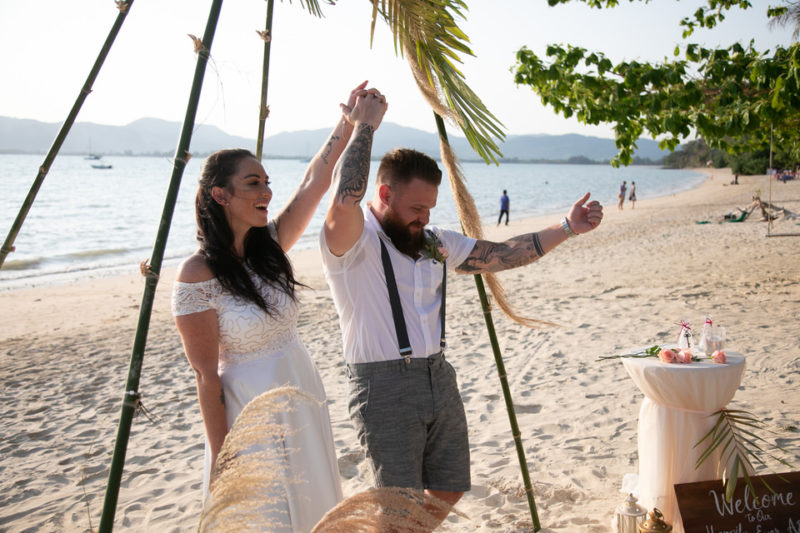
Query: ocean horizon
[(87, 222)]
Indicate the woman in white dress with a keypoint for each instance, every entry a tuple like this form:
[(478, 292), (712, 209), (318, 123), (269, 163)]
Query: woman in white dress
[(236, 310)]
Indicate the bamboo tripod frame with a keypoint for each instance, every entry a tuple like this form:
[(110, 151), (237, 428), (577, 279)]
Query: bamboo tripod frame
[(131, 396)]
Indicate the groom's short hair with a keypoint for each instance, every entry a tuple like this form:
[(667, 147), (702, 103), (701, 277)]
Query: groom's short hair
[(401, 165)]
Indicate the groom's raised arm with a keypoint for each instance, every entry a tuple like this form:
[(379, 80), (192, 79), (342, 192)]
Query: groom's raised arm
[(521, 250), (345, 219)]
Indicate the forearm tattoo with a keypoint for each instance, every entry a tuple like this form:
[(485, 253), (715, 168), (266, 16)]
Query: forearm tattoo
[(489, 256), (353, 170), (329, 147)]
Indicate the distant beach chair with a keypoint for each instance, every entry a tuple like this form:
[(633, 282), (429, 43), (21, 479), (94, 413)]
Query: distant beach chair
[(730, 217)]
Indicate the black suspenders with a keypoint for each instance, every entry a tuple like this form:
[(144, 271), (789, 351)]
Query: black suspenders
[(403, 343)]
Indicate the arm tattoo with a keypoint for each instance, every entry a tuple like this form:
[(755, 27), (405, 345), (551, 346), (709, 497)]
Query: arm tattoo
[(329, 147), (489, 256), (353, 170)]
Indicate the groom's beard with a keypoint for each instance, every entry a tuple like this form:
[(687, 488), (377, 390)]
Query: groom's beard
[(401, 235)]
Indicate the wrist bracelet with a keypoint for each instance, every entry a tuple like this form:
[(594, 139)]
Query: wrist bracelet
[(567, 229)]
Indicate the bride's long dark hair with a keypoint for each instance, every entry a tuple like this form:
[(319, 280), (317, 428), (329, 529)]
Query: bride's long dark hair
[(262, 254)]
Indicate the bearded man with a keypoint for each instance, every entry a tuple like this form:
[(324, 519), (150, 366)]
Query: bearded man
[(387, 273)]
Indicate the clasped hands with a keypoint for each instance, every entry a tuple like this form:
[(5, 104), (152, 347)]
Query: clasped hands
[(364, 105)]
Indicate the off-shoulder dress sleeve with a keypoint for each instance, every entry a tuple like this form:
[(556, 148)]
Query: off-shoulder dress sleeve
[(188, 298)]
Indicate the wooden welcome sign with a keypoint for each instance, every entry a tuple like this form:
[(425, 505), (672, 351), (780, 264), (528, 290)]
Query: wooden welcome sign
[(704, 509)]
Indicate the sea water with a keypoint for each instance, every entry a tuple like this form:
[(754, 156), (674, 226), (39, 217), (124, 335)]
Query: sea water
[(88, 222)]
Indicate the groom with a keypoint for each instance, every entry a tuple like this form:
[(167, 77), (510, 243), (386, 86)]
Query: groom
[(387, 273)]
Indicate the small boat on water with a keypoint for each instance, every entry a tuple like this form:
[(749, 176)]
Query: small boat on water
[(101, 166), (93, 157)]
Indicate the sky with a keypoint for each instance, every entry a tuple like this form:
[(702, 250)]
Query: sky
[(48, 48)]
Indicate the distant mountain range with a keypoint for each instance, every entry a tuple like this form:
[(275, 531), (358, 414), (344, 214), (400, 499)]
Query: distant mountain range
[(150, 136)]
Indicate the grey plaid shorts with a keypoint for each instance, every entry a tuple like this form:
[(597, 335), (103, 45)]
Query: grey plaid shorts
[(410, 419)]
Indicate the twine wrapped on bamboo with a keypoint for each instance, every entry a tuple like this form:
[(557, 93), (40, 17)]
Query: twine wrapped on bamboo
[(465, 204)]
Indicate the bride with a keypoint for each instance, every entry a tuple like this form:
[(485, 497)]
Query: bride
[(235, 307)]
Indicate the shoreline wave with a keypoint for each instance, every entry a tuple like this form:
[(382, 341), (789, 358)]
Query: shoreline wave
[(537, 190)]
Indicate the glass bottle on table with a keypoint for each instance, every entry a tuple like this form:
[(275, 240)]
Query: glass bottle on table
[(704, 334), (685, 336), (716, 340)]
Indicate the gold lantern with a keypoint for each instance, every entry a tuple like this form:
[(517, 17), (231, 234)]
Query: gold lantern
[(655, 523), (629, 516)]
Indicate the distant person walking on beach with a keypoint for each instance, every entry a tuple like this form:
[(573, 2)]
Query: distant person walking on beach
[(386, 271), (622, 190), (504, 204), (632, 196)]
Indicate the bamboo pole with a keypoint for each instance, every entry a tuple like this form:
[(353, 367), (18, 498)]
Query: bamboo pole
[(501, 371), (263, 109), (130, 400), (8, 245)]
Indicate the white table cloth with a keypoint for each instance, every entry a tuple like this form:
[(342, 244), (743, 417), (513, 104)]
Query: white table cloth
[(674, 416)]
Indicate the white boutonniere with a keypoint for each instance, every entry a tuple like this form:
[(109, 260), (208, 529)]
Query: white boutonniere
[(434, 248)]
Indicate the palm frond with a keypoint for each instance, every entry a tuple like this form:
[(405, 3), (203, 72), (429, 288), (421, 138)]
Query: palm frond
[(312, 6), (788, 15), (742, 445), (715, 443), (427, 31)]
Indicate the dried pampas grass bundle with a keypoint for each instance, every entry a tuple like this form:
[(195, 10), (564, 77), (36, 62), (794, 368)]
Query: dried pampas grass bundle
[(465, 204), (384, 510), (249, 479)]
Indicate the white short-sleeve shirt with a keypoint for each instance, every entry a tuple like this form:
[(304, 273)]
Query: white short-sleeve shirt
[(359, 290)]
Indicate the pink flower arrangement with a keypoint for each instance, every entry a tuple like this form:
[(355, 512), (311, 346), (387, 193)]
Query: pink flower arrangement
[(684, 356), (667, 356), (675, 356)]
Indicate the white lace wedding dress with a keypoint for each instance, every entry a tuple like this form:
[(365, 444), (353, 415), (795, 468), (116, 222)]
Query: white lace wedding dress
[(260, 352)]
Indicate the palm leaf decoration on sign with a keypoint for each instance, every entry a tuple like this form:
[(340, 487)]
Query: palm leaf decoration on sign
[(734, 436)]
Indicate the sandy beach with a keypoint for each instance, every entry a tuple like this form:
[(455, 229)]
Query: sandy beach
[(65, 352)]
